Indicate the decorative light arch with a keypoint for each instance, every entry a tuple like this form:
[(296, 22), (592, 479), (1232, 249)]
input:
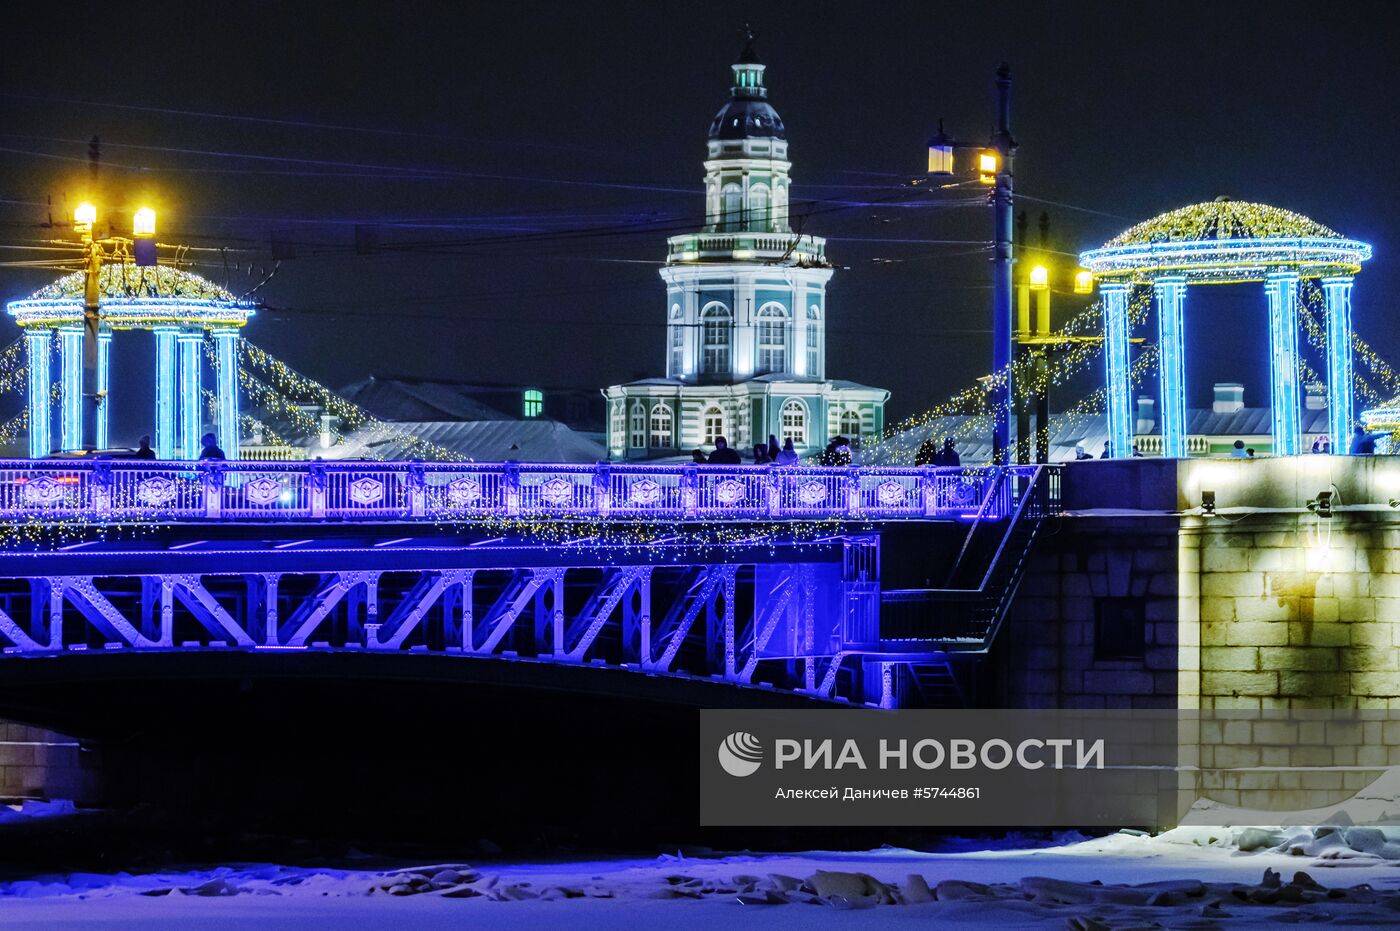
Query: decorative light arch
[(180, 308), (1228, 242)]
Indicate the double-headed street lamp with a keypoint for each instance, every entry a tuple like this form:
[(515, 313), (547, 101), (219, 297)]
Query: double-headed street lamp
[(994, 169), (142, 247)]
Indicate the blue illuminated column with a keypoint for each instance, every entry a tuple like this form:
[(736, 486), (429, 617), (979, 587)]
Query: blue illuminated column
[(1282, 291), (166, 437), (191, 421), (1115, 327), (39, 343), (1170, 292), (104, 385), (226, 344), (70, 346), (1337, 292)]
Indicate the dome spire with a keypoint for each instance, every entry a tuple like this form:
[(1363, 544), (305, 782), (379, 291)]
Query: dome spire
[(748, 70), (748, 56)]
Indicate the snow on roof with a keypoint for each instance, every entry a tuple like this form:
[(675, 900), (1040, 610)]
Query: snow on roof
[(481, 440)]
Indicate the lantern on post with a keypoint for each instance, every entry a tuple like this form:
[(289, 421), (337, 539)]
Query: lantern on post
[(987, 167), (143, 232), (940, 153)]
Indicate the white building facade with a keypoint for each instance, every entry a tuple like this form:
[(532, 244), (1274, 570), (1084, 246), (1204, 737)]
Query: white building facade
[(746, 311)]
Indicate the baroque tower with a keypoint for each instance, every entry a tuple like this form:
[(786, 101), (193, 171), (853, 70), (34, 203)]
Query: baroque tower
[(745, 309)]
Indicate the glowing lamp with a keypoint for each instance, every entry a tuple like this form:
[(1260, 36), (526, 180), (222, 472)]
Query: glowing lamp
[(940, 153), (84, 217), (143, 222), (1083, 282), (987, 167), (1040, 278)]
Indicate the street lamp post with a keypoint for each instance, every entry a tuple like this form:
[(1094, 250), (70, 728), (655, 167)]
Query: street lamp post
[(994, 168), (94, 393), (1002, 259)]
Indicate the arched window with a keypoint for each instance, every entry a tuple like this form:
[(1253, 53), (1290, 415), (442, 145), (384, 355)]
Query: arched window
[(794, 418), (715, 326), (733, 218), (814, 342), (772, 338), (712, 425), (779, 207), (638, 426), (619, 426), (849, 424), (758, 208), (677, 342), (534, 402), (661, 421)]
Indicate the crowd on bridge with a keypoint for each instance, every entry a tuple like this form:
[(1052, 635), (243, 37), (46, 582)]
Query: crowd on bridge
[(837, 453)]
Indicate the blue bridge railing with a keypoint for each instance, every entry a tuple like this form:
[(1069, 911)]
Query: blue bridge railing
[(104, 490)]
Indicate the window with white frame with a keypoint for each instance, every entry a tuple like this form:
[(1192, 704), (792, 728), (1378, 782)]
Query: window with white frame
[(619, 425), (638, 425), (733, 218), (814, 342), (712, 425), (849, 424), (758, 208), (661, 427), (772, 338), (794, 418), (677, 349), (715, 325)]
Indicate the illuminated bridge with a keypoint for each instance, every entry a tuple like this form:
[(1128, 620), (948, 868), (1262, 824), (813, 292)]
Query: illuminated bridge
[(698, 584)]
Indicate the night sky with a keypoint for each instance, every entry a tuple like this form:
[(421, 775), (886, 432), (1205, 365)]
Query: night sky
[(525, 162)]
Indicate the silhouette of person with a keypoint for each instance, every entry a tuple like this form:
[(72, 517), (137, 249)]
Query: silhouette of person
[(211, 448), (144, 451), (723, 455), (787, 455)]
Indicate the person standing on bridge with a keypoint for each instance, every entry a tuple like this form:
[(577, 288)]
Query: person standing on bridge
[(211, 448), (1363, 443), (928, 454), (723, 455), (143, 450), (948, 456), (787, 455)]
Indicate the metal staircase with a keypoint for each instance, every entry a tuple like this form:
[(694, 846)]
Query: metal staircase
[(965, 616)]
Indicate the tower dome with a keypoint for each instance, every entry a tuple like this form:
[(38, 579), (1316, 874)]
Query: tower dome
[(748, 115)]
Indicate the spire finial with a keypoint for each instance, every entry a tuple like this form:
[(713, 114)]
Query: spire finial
[(748, 56)]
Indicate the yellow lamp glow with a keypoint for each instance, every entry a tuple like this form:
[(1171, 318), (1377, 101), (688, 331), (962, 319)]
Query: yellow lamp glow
[(987, 166), (84, 216), (1083, 282), (1040, 278), (143, 222)]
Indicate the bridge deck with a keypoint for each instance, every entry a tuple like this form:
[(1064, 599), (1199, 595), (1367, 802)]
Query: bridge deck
[(115, 491)]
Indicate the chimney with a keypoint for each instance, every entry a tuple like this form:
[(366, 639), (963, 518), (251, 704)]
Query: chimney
[(1146, 415), (1229, 398), (1316, 398)]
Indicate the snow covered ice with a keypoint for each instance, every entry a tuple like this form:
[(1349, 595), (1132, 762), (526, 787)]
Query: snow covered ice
[(1192, 877)]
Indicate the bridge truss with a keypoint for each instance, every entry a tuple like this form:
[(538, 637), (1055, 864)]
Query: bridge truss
[(764, 590)]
